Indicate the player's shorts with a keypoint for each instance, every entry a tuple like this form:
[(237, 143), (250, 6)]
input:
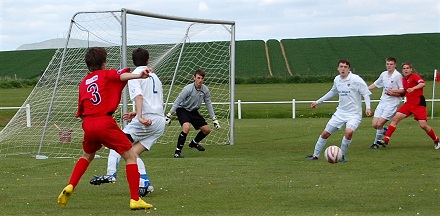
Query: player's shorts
[(146, 135), (103, 130), (419, 112), (385, 111), (338, 120), (192, 117)]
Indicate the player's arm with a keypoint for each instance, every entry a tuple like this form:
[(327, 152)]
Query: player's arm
[(395, 92), (372, 86), (125, 75), (327, 96), (138, 104), (418, 86)]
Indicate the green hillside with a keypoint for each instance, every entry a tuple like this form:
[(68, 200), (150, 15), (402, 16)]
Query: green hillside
[(306, 57), (250, 59), (277, 63), (25, 64)]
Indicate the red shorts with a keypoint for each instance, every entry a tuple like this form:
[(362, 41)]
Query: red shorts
[(103, 130), (419, 112)]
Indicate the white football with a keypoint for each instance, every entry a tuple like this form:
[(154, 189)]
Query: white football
[(333, 154)]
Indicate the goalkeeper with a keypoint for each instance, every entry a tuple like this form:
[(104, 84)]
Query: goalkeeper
[(186, 107)]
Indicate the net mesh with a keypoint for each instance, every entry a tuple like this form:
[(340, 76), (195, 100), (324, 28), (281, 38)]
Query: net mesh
[(177, 49)]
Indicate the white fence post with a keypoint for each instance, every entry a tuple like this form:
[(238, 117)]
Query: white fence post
[(239, 109), (28, 115), (293, 109)]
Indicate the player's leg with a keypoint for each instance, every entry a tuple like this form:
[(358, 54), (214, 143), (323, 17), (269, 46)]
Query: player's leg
[(145, 186), (401, 113), (322, 139), (184, 117), (423, 124), (199, 123), (352, 124), (378, 124), (112, 165), (131, 169), (181, 140), (80, 168)]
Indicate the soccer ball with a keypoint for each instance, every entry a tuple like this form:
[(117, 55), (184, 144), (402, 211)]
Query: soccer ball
[(333, 154)]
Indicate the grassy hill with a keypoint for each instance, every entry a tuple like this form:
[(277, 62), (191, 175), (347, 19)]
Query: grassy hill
[(306, 57)]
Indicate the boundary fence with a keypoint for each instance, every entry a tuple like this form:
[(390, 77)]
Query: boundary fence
[(238, 103)]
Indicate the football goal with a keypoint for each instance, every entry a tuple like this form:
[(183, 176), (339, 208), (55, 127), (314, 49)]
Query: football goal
[(178, 46)]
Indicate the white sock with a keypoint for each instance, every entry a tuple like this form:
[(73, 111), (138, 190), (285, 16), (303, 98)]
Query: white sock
[(319, 145), (379, 134), (112, 162), (345, 143), (143, 173)]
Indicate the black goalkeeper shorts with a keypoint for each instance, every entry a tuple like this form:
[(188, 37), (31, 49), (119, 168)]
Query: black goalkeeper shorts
[(192, 117)]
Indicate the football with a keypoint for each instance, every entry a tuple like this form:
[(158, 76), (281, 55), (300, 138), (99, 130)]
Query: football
[(333, 154)]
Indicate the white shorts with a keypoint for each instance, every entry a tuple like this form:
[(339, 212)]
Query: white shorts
[(385, 111), (350, 121), (146, 135)]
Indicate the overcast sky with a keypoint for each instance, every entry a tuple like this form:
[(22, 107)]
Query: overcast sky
[(31, 21)]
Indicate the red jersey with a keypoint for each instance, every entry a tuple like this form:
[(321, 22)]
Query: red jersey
[(413, 98), (100, 93)]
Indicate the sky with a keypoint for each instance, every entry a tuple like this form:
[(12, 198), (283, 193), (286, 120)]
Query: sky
[(30, 21)]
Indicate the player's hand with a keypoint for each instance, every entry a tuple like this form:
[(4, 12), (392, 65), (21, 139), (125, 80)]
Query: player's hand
[(368, 112), (168, 119), (314, 104), (145, 121), (215, 122), (128, 116), (145, 73)]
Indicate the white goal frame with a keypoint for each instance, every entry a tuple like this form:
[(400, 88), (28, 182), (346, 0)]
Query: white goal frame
[(16, 139)]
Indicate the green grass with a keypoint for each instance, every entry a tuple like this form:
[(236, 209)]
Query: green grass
[(264, 173)]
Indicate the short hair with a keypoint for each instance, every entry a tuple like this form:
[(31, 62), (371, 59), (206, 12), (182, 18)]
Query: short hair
[(344, 61), (391, 59), (95, 57), (140, 57), (407, 63), (200, 72)]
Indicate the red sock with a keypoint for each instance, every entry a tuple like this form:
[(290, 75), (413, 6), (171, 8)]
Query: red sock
[(389, 132), (79, 169), (133, 180), (432, 135)]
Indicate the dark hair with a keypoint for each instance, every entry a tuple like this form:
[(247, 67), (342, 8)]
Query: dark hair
[(140, 57), (344, 61), (95, 57), (391, 59), (200, 72), (407, 63)]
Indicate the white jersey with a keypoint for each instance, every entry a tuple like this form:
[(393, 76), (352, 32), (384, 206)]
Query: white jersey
[(151, 91), (152, 108), (389, 82), (350, 90)]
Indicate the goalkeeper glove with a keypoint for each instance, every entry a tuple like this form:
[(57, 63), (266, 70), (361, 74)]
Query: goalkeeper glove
[(168, 119), (216, 124)]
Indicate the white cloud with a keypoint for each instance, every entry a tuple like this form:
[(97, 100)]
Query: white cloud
[(26, 21), (203, 7)]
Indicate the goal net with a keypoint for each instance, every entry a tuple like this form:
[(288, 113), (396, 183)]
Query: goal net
[(178, 46)]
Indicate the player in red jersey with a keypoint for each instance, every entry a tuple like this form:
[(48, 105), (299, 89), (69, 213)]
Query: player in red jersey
[(99, 95), (415, 104)]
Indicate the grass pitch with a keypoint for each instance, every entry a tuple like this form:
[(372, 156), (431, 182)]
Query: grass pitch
[(264, 173)]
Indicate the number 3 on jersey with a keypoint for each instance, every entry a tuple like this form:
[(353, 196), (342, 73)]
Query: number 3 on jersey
[(96, 97)]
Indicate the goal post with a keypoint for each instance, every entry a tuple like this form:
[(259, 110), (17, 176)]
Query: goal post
[(178, 46)]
